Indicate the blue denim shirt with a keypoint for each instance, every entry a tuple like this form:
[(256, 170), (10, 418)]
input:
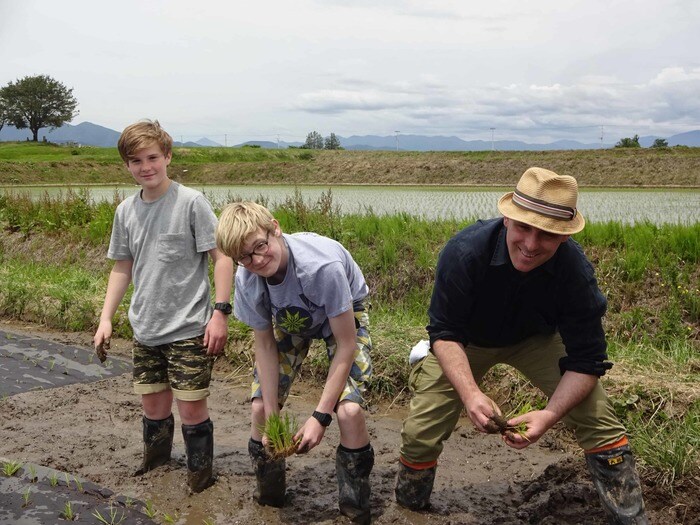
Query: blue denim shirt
[(480, 298)]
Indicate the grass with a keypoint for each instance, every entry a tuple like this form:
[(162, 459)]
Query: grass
[(26, 163)]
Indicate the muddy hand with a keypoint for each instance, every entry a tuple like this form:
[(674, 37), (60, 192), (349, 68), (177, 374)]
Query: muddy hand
[(101, 350)]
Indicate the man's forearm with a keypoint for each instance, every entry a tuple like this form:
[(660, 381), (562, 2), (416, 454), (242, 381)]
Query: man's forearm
[(455, 365)]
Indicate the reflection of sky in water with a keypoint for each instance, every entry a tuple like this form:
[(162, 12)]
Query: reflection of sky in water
[(430, 202)]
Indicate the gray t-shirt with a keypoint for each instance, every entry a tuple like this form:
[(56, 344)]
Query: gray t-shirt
[(322, 281), (168, 241)]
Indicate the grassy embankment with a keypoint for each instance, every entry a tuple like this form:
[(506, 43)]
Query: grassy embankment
[(26, 163), (54, 272)]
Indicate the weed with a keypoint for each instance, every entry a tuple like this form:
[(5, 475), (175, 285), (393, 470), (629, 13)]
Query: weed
[(280, 431), (10, 468), (113, 518), (68, 513)]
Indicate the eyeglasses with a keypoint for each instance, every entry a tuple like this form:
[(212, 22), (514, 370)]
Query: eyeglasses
[(260, 249)]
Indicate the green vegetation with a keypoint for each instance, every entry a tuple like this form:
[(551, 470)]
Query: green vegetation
[(280, 431), (628, 142), (651, 275), (29, 163), (10, 468)]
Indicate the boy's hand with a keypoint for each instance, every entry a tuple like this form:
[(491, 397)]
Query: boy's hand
[(102, 339), (309, 435), (216, 333)]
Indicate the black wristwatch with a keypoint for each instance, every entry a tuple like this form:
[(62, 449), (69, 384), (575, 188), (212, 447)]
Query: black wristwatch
[(324, 419), (224, 308)]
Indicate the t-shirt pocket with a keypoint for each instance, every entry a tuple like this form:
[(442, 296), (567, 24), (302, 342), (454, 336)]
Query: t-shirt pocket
[(171, 247)]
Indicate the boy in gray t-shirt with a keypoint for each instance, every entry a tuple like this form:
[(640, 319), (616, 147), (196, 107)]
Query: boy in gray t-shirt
[(291, 289), (162, 238)]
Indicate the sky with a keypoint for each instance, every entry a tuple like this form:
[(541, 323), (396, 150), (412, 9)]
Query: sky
[(273, 70)]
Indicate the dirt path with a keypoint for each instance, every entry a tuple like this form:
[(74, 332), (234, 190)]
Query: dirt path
[(93, 430)]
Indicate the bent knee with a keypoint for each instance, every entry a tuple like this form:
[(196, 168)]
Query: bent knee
[(349, 411)]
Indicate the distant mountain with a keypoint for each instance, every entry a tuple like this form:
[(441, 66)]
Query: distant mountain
[(90, 134), (84, 133)]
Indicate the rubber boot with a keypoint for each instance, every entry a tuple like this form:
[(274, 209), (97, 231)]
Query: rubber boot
[(199, 445), (352, 469), (270, 476), (413, 487), (616, 480), (157, 443)]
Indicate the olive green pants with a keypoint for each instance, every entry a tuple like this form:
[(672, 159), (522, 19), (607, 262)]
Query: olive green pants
[(436, 406)]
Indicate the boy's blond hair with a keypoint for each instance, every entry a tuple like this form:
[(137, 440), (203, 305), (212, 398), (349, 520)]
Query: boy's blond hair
[(143, 134), (238, 220)]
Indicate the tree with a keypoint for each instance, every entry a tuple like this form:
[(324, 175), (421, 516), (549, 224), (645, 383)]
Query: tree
[(660, 143), (332, 142), (314, 140), (38, 102), (3, 111), (629, 142)]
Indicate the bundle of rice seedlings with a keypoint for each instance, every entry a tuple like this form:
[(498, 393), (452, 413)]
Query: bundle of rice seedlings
[(280, 431)]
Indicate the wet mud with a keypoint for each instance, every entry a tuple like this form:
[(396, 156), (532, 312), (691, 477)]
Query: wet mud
[(93, 431)]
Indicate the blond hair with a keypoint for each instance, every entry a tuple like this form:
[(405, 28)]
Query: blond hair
[(143, 134), (239, 220)]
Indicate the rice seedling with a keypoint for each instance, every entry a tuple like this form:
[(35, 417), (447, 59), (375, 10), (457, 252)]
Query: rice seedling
[(52, 364), (208, 521), (149, 510), (280, 431), (68, 513), (26, 498), (129, 502), (78, 484), (65, 476), (53, 479), (170, 519), (10, 468), (113, 518), (32, 474)]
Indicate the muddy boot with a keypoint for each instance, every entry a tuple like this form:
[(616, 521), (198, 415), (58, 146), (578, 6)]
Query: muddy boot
[(413, 487), (157, 443), (352, 468), (269, 474), (199, 445), (616, 480)]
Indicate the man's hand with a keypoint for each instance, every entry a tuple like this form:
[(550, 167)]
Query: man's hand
[(102, 339), (480, 408), (537, 423), (309, 435), (216, 333)]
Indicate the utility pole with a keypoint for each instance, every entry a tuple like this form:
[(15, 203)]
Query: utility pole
[(601, 136), (397, 139), (492, 146)]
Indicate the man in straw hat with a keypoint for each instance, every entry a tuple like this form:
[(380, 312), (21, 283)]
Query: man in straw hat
[(519, 291)]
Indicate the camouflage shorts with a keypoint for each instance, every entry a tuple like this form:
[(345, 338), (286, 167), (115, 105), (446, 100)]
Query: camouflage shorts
[(292, 351), (182, 366)]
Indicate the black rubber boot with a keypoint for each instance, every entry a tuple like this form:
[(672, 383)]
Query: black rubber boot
[(352, 469), (199, 445), (270, 476), (157, 443), (617, 482), (413, 487)]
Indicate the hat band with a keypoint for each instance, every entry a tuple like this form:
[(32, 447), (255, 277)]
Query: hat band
[(555, 211)]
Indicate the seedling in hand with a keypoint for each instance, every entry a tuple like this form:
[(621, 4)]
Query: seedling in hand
[(280, 431)]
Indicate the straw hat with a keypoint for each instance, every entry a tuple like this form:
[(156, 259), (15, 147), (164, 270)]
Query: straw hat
[(544, 200)]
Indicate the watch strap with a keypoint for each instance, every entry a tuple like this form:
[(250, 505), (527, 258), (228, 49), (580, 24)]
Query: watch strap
[(323, 418)]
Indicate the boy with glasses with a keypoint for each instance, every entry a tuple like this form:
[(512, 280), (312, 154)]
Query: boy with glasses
[(162, 238), (291, 289)]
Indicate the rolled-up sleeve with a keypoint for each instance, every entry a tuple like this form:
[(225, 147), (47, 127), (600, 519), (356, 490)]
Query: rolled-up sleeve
[(453, 298), (581, 309)]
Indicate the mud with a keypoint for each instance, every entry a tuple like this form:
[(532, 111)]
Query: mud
[(93, 430)]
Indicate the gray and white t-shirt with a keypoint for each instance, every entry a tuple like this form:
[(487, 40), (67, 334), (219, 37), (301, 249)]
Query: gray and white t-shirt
[(168, 241), (322, 281)]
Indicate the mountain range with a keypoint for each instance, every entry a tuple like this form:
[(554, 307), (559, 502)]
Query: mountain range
[(90, 134)]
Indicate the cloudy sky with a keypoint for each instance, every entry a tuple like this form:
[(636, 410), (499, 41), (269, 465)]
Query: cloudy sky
[(258, 70)]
